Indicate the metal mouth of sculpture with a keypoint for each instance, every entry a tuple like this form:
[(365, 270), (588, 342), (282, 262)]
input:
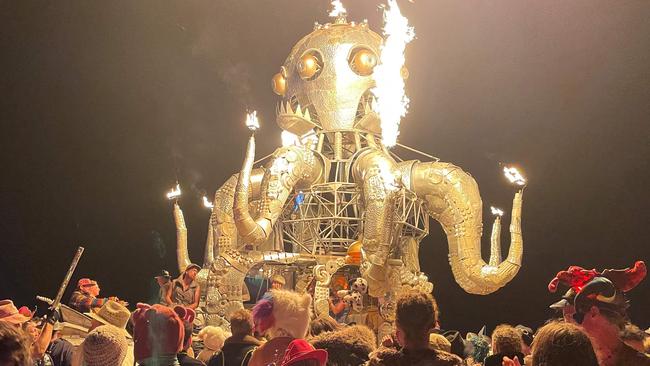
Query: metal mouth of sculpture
[(341, 196)]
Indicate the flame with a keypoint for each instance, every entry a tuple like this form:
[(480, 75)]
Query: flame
[(514, 176), (392, 102), (252, 122), (174, 193), (289, 139), (337, 9), (496, 211), (207, 203)]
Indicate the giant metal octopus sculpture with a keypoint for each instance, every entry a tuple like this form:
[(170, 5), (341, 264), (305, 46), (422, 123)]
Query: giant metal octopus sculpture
[(337, 196)]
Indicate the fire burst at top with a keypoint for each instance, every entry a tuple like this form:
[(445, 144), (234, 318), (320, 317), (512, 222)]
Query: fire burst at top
[(333, 208), (389, 90)]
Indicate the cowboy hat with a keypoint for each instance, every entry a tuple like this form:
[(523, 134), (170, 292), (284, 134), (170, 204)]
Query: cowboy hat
[(115, 314), (9, 313), (300, 350)]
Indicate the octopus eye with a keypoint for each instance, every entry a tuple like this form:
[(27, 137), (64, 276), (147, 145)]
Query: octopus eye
[(363, 61), (310, 65), (279, 84)]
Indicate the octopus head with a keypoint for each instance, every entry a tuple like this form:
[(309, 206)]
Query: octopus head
[(326, 81)]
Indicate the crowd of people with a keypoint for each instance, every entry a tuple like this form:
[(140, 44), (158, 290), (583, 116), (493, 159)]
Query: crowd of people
[(592, 329)]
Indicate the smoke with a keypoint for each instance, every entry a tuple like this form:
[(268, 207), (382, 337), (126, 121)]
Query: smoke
[(221, 45), (158, 244)]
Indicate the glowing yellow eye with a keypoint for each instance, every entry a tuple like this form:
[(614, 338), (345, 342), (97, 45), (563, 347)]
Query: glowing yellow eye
[(279, 84), (363, 61), (309, 66)]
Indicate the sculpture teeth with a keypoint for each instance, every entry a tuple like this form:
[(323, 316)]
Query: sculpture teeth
[(288, 109), (298, 111), (307, 116)]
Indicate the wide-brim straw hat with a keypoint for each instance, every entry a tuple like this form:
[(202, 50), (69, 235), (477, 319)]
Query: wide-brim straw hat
[(115, 314)]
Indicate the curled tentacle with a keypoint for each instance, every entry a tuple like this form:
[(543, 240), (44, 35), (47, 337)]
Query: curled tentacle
[(452, 198)]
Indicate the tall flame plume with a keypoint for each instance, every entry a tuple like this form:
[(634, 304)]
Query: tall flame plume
[(392, 102)]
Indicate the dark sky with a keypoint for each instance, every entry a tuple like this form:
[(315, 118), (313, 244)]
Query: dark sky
[(102, 103)]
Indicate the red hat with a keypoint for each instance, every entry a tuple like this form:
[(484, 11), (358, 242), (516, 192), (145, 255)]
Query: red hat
[(26, 312), (86, 282), (157, 330), (300, 350)]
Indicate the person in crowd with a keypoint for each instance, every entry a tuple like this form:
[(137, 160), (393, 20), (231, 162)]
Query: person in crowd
[(477, 347), (278, 282), (560, 344), (185, 290), (346, 346), (596, 302), (60, 350), (301, 353), (158, 333), (506, 342), (634, 337), (32, 330), (165, 283), (105, 345), (527, 335), (415, 318), (322, 324), (14, 350), (113, 314), (238, 348), (37, 343), (282, 316), (338, 308), (186, 355), (213, 339), (439, 342), (86, 298)]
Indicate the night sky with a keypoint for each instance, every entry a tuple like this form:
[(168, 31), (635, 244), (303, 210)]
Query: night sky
[(104, 104)]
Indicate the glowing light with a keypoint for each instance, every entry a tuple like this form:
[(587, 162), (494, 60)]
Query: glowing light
[(174, 193), (252, 122), (514, 176), (392, 102), (496, 211), (207, 203), (337, 9), (289, 139)]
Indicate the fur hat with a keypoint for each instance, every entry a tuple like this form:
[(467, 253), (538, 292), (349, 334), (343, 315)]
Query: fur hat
[(157, 331), (283, 312), (347, 346), (105, 346), (187, 315), (213, 337)]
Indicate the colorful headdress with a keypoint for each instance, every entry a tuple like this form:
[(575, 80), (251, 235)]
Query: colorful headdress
[(282, 312), (605, 289)]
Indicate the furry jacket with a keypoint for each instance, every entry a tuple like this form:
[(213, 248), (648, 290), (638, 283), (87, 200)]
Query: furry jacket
[(425, 357), (349, 346)]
